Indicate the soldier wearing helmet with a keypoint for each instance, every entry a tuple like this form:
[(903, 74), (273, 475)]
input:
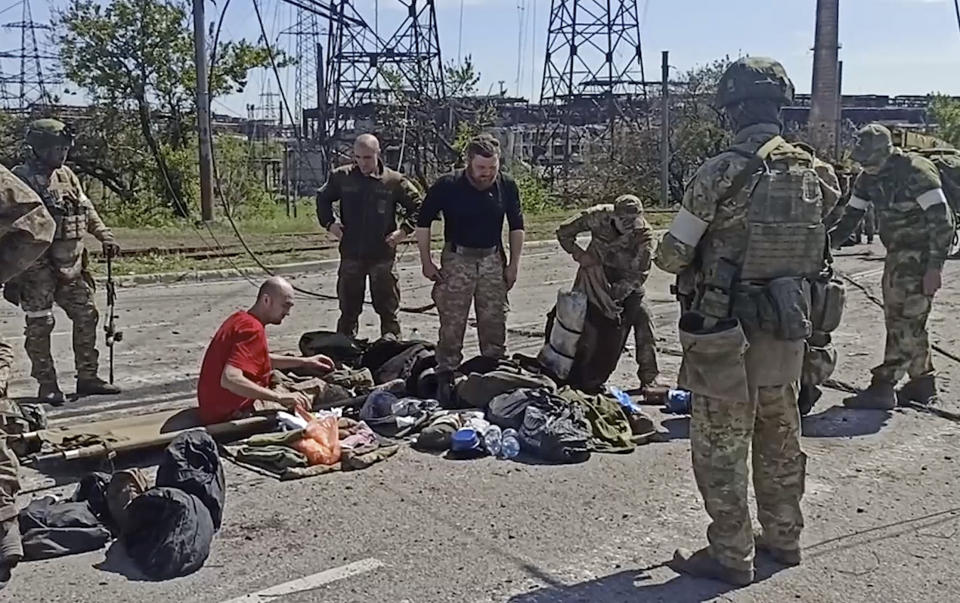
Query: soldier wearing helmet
[(613, 270), (917, 229), (751, 230), (61, 274)]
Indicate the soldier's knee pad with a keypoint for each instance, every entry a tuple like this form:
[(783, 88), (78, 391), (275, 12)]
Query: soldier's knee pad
[(39, 323)]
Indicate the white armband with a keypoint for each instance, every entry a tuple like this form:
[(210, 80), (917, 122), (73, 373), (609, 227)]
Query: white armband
[(931, 198), (858, 203), (688, 228)]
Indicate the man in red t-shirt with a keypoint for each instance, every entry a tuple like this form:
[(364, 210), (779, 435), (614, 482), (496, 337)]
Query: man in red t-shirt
[(236, 367)]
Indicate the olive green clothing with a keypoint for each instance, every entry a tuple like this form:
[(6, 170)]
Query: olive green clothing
[(368, 209)]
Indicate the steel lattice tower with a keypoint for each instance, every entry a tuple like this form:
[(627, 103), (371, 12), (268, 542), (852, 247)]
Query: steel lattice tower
[(307, 91), (593, 49), (363, 69), (32, 83)]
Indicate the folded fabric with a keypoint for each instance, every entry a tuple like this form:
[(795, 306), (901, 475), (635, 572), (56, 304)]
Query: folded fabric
[(53, 529), (610, 426)]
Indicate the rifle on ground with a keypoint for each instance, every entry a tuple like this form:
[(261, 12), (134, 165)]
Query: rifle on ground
[(110, 326)]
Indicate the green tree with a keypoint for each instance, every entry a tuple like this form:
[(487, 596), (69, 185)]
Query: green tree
[(136, 56), (946, 113)]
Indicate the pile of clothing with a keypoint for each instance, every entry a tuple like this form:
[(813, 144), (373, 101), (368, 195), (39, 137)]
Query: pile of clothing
[(166, 530), (554, 424)]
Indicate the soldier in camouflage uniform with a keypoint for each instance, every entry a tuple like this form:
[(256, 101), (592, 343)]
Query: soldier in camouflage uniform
[(369, 194), (621, 246), (474, 268), (751, 223), (916, 227), (60, 275), (26, 230)]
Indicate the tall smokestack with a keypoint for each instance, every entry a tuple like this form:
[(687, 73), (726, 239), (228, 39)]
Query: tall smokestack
[(825, 98)]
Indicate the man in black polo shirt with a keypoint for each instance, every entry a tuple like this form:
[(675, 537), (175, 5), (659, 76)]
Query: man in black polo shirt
[(474, 203), (369, 193)]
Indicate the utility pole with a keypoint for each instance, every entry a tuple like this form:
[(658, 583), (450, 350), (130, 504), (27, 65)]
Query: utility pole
[(203, 113), (665, 129)]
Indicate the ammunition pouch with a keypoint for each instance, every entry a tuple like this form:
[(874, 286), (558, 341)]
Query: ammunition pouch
[(715, 297), (827, 300), (819, 359), (714, 357), (780, 307)]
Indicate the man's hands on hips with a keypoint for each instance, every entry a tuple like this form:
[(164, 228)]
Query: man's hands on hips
[(932, 281), (336, 229), (395, 238)]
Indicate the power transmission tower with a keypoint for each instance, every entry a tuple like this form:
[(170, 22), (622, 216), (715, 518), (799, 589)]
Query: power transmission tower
[(309, 70), (366, 74), (33, 85), (593, 65)]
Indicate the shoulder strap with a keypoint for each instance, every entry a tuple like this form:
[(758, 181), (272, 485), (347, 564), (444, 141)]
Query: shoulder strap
[(756, 160)]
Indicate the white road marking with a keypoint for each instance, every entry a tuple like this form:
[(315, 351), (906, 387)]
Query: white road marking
[(311, 582)]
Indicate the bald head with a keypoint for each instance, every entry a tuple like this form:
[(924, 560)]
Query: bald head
[(274, 300), (366, 153)]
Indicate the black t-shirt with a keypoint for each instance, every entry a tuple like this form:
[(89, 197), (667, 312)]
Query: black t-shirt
[(471, 217)]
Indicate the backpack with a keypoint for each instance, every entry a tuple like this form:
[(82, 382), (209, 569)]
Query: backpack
[(948, 164)]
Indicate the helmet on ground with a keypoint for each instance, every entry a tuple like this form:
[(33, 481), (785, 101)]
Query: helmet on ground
[(874, 145), (754, 78), (44, 133)]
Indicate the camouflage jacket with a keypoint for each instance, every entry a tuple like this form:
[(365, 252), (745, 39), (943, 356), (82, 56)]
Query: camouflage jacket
[(708, 228), (72, 211), (912, 211), (625, 257), (368, 209), (26, 227)]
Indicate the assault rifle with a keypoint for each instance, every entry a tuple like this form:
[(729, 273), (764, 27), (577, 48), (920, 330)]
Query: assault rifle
[(110, 327)]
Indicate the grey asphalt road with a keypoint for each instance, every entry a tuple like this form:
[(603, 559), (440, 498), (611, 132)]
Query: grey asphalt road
[(881, 502)]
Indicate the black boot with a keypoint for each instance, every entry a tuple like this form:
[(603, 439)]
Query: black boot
[(879, 396), (809, 394), (922, 390), (445, 389), (50, 393), (702, 565), (96, 386)]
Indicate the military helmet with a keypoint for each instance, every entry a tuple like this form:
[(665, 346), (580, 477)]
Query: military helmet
[(874, 144), (43, 133), (754, 77), (628, 205)]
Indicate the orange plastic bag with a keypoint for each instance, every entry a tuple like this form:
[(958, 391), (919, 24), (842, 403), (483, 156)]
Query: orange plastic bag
[(321, 439)]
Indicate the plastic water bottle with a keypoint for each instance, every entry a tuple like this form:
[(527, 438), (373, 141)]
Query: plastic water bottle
[(492, 440), (509, 443), (678, 402), (624, 399)]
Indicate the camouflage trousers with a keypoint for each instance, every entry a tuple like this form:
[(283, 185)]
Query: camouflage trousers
[(603, 341), (905, 309), (721, 435), (384, 292), (476, 279), (9, 482), (40, 288)]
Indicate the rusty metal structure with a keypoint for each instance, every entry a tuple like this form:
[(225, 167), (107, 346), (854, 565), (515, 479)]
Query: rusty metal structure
[(593, 68)]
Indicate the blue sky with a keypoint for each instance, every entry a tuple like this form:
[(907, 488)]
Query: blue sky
[(888, 46)]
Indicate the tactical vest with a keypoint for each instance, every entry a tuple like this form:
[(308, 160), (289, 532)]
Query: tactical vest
[(785, 232), (771, 242), (61, 196)]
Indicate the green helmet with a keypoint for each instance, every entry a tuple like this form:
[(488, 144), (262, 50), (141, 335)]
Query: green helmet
[(43, 133), (874, 145), (754, 77)]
